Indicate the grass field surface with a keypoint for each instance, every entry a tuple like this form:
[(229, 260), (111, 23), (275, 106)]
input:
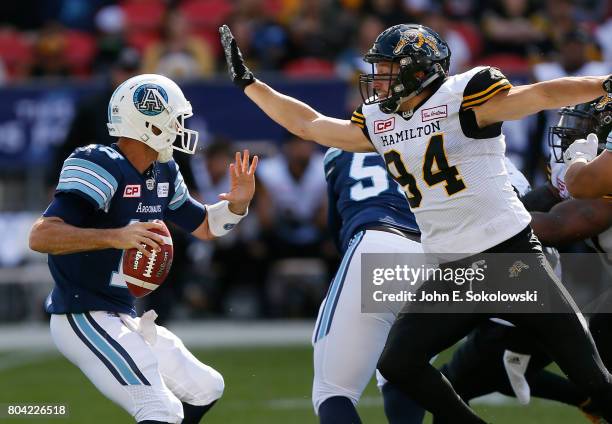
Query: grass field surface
[(263, 385)]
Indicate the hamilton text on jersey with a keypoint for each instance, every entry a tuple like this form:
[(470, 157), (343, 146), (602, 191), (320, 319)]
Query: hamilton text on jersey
[(410, 133)]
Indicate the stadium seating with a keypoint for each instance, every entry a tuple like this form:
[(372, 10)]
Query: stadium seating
[(15, 51), (206, 14), (80, 51), (141, 15)]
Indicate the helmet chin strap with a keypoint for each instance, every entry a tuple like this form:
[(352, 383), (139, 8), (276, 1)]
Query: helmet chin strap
[(400, 100), (165, 155)]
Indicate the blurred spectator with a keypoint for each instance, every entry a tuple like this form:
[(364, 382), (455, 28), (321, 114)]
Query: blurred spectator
[(350, 62), (264, 38), (464, 10), (418, 8), (89, 123), (178, 54), (512, 26), (572, 59), (306, 32), (50, 52), (210, 174), (78, 14), (110, 40), (291, 198), (388, 11), (604, 37), (310, 32), (219, 279), (561, 18), (265, 41), (460, 52), (243, 30), (291, 207)]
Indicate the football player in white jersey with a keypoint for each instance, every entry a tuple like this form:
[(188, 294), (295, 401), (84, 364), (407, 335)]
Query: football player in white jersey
[(440, 137), (505, 359)]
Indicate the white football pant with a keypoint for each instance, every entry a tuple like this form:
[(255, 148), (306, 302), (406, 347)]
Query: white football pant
[(141, 366), (347, 343)]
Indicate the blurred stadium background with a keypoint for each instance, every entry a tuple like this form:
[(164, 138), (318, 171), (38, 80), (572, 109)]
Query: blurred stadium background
[(246, 303)]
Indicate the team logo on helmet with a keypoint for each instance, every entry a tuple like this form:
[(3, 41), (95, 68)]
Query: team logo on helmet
[(417, 41), (604, 102), (147, 99)]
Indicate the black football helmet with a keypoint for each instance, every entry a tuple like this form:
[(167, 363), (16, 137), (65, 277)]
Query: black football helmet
[(578, 121), (423, 58)]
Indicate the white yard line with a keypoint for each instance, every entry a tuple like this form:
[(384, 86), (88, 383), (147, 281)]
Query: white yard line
[(195, 334)]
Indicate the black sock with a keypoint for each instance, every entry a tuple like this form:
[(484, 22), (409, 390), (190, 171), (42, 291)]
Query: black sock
[(338, 410), (193, 414), (399, 408)]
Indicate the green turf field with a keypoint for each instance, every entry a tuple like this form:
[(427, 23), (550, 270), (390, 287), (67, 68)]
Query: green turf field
[(263, 385)]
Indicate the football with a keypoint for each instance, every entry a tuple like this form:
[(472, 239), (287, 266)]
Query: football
[(142, 274)]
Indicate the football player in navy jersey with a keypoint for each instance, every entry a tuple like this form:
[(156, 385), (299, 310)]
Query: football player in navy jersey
[(108, 199), (367, 214), (440, 136)]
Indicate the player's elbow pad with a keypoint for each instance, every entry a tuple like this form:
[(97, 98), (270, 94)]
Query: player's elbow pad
[(220, 219)]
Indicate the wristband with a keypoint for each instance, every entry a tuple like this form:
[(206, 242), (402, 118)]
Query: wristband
[(220, 219)]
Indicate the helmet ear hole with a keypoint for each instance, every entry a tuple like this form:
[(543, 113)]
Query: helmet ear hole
[(154, 129)]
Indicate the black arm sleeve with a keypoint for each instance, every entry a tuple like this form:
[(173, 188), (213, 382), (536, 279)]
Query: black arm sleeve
[(484, 85)]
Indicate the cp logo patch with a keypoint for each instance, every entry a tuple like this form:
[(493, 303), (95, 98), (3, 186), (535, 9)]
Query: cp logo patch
[(384, 126), (148, 99)]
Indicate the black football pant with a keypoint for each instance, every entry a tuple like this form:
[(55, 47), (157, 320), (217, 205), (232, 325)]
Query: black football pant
[(420, 332), (477, 367)]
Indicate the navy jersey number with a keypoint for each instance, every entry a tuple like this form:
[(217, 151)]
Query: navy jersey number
[(372, 180)]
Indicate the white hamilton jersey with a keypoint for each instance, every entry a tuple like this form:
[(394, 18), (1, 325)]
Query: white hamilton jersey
[(453, 173), (557, 177)]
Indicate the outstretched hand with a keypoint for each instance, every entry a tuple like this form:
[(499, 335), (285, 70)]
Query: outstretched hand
[(242, 187), (240, 74), (583, 149)]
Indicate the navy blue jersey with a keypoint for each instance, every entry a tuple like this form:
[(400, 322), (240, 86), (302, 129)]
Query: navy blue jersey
[(99, 188), (362, 194)]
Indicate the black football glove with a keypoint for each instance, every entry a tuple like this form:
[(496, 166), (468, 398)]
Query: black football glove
[(240, 74), (607, 84)]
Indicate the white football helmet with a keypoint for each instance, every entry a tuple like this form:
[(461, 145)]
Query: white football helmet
[(152, 109)]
